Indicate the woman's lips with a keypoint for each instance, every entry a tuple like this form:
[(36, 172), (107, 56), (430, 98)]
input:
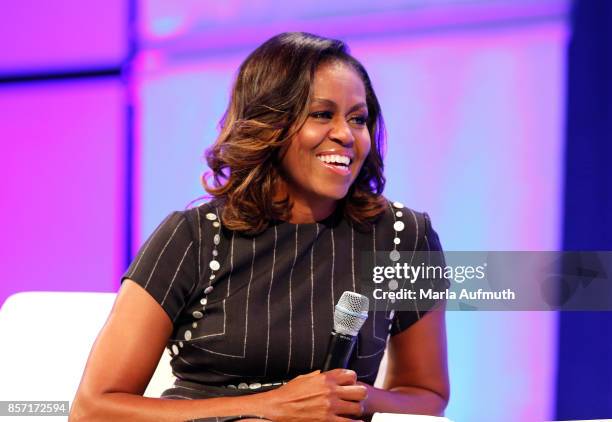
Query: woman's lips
[(340, 170)]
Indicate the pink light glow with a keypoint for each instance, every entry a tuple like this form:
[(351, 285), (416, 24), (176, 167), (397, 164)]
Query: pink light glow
[(63, 186)]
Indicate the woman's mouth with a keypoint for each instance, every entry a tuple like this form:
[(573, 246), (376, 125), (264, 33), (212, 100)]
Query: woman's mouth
[(336, 163)]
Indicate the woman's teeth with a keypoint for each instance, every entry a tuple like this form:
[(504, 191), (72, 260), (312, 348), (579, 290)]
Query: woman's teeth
[(340, 160)]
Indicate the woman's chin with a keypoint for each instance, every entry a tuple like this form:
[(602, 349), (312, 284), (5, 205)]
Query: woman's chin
[(334, 194)]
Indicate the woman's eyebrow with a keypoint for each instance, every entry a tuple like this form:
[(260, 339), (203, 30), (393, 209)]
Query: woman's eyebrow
[(333, 104)]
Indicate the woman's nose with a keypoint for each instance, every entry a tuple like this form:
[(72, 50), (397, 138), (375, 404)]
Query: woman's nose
[(341, 132)]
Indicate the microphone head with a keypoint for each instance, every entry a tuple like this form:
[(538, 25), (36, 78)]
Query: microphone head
[(350, 313)]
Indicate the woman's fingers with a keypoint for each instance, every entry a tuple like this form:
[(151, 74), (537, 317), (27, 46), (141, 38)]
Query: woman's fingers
[(352, 392), (343, 376), (348, 408), (319, 395)]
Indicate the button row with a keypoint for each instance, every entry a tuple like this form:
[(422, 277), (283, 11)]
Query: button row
[(255, 385)]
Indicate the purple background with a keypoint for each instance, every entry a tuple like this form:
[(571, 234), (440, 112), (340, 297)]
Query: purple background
[(473, 94)]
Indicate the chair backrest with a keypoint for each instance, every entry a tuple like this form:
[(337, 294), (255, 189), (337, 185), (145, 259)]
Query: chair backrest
[(46, 339)]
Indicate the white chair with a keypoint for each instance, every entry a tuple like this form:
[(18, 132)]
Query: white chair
[(46, 339)]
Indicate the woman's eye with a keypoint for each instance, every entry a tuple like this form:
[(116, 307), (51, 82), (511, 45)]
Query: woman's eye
[(359, 120), (321, 115)]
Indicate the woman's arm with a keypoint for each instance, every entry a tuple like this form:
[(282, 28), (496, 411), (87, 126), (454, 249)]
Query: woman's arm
[(124, 358), (127, 351), (416, 380)]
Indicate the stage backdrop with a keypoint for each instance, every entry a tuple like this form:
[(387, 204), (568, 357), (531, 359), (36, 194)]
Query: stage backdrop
[(472, 92)]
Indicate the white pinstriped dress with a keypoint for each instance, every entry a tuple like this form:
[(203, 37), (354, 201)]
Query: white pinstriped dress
[(252, 312)]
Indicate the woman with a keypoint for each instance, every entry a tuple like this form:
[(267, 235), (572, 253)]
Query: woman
[(241, 290)]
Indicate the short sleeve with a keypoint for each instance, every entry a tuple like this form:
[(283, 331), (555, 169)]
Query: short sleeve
[(427, 241), (165, 265)]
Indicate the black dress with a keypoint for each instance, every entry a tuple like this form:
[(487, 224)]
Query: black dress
[(250, 313)]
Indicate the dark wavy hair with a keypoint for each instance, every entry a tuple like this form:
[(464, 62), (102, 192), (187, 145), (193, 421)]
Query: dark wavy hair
[(269, 104)]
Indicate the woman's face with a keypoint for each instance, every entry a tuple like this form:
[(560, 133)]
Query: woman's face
[(325, 156)]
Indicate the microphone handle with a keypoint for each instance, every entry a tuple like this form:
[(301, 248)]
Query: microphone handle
[(339, 351)]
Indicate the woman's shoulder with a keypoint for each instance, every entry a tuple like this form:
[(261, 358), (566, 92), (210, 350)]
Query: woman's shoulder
[(190, 223), (411, 227), (402, 216), (200, 211)]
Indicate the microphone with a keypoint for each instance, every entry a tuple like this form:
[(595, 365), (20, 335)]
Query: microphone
[(349, 316)]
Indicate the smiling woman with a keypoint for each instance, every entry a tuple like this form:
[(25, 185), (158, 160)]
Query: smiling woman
[(241, 290), (298, 96), (326, 154)]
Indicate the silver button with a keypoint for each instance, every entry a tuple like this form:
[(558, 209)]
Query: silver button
[(214, 265), (204, 301), (211, 216), (398, 205), (243, 386), (216, 239), (399, 226), (197, 314), (208, 290), (187, 335), (255, 386), (231, 386)]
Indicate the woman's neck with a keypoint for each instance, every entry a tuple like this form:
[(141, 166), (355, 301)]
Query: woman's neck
[(307, 208), (304, 212)]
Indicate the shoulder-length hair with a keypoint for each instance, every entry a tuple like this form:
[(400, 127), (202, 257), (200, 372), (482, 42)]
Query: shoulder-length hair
[(269, 104)]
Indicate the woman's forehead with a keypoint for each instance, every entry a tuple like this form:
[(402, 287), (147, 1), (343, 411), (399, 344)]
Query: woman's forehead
[(335, 79)]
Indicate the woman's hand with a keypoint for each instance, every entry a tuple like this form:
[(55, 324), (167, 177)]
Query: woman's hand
[(318, 396)]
